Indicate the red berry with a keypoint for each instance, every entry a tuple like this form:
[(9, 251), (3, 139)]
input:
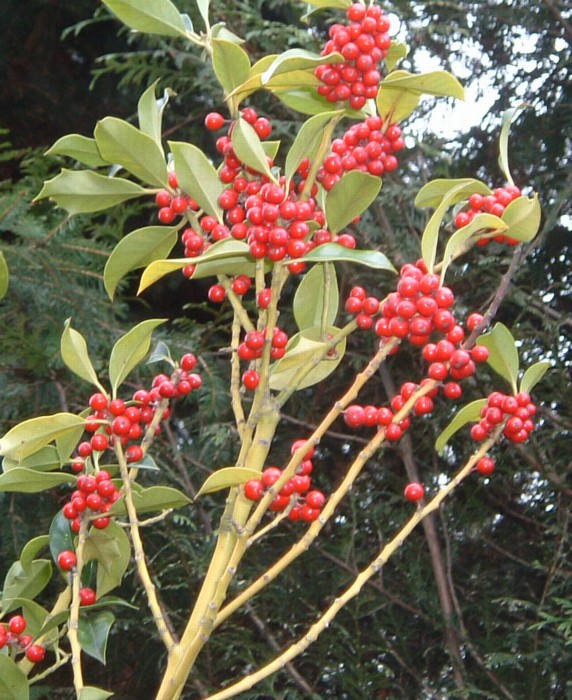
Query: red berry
[(393, 432), (67, 560), (98, 402), (87, 596), (99, 442), (315, 499), (354, 416), (474, 320), (414, 491), (217, 293), (254, 489), (251, 379), (480, 353), (101, 523), (214, 121), (134, 453), (84, 449), (485, 466), (17, 624), (117, 407), (35, 653), (163, 198)]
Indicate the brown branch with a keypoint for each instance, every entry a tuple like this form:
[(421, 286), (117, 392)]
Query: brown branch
[(554, 9)]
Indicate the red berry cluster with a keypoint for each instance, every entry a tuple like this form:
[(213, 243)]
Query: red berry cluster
[(495, 204), (366, 146), (306, 504), (363, 44), (173, 204), (92, 499), (14, 638), (515, 413), (251, 349)]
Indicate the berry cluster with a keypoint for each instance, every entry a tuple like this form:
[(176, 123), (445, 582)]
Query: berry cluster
[(495, 204), (14, 638), (92, 499), (251, 349), (366, 146), (304, 504), (173, 204), (515, 413), (363, 44)]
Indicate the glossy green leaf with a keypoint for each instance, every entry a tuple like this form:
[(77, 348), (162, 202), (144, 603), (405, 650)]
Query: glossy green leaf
[(74, 353), (129, 350), (203, 6), (150, 112), (138, 249), (334, 4), (295, 60), (349, 198), (227, 478), (44, 460), (121, 143), (230, 63), (112, 551), (160, 353), (35, 614), (4, 276), (61, 536), (66, 443), (278, 84), (317, 290), (397, 51), (26, 583), (395, 103), (332, 252), (433, 193), (503, 357), (80, 148), (30, 436), (221, 31), (152, 499), (508, 117), (523, 216), (93, 633), (150, 17), (271, 148), (197, 177), (32, 481), (304, 350), (533, 375), (468, 414), (83, 191), (89, 692), (307, 101), (13, 681), (456, 244), (248, 147), (462, 190), (217, 253), (32, 548), (307, 141)]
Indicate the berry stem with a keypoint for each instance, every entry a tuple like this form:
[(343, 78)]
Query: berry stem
[(139, 554), (236, 402), (361, 579), (73, 625)]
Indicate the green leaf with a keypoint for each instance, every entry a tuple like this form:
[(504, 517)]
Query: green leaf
[(83, 191), (160, 353), (31, 548), (307, 101), (129, 350), (93, 633), (307, 141), (334, 4), (230, 63), (152, 499), (4, 276), (460, 191), (349, 198), (248, 147), (336, 252), (150, 17), (503, 357), (29, 583), (121, 143), (533, 375), (522, 217), (468, 414), (138, 249), (66, 443), (32, 481), (396, 52), (227, 478), (508, 117), (310, 297), (80, 148), (33, 434), (35, 614), (433, 193), (297, 60), (61, 536), (112, 551), (13, 681), (197, 177), (218, 252), (74, 353), (481, 223), (203, 6), (89, 692), (303, 350), (44, 460), (394, 103), (150, 112)]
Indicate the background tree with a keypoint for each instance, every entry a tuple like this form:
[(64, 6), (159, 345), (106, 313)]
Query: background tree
[(476, 603)]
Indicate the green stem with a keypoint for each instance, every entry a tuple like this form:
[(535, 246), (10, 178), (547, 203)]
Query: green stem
[(73, 625), (320, 155)]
